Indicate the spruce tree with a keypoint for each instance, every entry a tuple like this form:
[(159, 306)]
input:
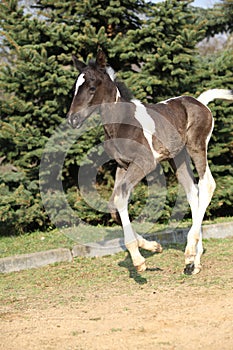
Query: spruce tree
[(215, 71), (35, 87), (151, 46), (95, 23), (220, 18), (36, 83), (163, 51)]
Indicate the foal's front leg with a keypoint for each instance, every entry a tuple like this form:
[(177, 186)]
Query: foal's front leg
[(125, 181), (152, 246), (121, 202)]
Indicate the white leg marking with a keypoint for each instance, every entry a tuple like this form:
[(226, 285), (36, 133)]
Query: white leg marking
[(194, 247), (79, 82), (131, 242), (209, 136), (152, 246), (147, 123), (199, 252), (192, 197), (206, 189), (122, 207), (193, 200)]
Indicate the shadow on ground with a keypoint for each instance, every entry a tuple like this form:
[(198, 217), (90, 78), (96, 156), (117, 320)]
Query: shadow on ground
[(138, 278)]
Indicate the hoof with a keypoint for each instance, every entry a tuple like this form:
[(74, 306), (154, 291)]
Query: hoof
[(159, 248), (150, 245), (141, 268), (189, 259), (155, 247), (190, 269), (196, 270)]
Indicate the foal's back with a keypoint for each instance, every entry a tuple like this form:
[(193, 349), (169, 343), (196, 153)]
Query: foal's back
[(181, 121)]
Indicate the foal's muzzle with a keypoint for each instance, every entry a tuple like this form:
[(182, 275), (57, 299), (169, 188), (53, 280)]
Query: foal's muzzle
[(75, 120)]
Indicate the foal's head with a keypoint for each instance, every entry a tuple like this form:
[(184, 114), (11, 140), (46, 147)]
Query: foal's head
[(93, 87)]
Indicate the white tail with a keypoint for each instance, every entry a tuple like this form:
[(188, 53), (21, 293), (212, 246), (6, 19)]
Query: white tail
[(213, 94)]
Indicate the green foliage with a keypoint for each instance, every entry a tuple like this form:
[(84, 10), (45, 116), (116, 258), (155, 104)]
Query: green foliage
[(216, 71), (151, 46), (162, 51), (220, 18)]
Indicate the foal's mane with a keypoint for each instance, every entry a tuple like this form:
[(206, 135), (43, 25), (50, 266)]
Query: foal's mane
[(126, 94)]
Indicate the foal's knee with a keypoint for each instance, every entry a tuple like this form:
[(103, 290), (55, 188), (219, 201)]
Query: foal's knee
[(120, 198), (120, 202)]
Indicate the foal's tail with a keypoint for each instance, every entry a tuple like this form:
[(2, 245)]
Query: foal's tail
[(213, 94)]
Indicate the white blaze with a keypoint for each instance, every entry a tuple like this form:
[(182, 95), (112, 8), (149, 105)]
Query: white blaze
[(79, 82)]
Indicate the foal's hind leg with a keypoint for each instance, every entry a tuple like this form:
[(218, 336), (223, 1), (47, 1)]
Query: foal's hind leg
[(119, 176), (206, 187), (181, 165), (124, 184)]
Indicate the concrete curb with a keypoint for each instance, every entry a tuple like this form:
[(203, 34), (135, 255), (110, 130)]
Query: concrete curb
[(99, 249), (218, 230), (28, 261), (33, 260)]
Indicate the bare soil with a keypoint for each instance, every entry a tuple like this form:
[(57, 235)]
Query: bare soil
[(158, 310)]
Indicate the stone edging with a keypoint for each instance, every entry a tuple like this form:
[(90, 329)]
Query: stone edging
[(33, 260)]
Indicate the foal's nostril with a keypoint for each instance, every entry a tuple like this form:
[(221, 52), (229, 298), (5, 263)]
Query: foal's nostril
[(70, 119), (74, 120)]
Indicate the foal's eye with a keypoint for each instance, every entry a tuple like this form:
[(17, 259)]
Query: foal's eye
[(92, 89)]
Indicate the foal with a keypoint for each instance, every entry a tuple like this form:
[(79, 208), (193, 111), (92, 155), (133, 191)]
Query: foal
[(139, 136)]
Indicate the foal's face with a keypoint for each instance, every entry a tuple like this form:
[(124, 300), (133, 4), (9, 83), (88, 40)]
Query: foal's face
[(92, 88), (85, 97)]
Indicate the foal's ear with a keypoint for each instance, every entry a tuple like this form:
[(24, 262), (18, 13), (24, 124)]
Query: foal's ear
[(78, 64), (101, 60)]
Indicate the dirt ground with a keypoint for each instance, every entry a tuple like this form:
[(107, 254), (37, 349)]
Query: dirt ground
[(178, 319), (122, 314)]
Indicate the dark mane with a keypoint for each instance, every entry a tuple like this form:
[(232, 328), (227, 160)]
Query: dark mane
[(126, 94)]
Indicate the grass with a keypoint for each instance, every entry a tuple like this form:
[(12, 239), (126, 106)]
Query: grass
[(67, 238), (72, 283), (33, 242)]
